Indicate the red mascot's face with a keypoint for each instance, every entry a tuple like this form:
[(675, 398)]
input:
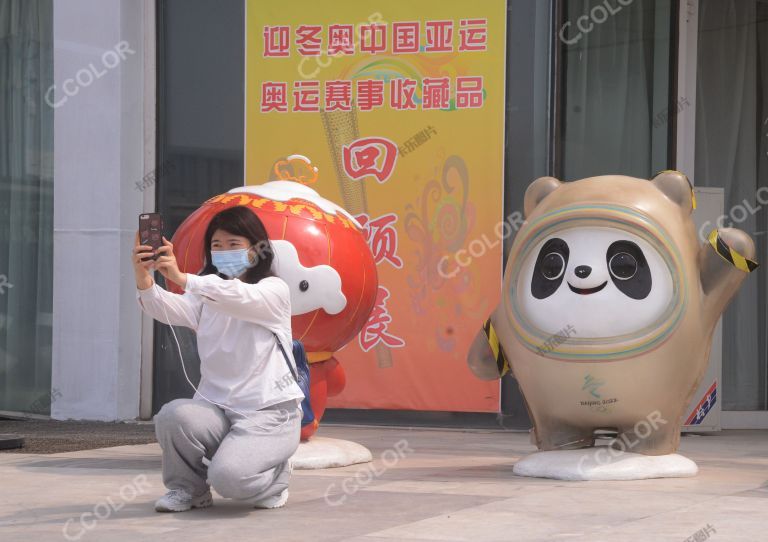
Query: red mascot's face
[(319, 250)]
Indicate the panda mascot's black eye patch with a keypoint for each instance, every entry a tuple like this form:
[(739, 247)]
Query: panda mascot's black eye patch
[(550, 267), (629, 269)]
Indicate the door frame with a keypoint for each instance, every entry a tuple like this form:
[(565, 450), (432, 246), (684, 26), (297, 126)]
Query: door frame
[(686, 154)]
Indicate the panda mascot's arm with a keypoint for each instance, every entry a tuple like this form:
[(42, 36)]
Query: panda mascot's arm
[(486, 357), (725, 259)]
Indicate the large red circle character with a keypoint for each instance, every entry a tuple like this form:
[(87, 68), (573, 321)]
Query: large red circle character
[(320, 251)]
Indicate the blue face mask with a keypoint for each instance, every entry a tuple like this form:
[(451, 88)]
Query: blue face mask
[(231, 263)]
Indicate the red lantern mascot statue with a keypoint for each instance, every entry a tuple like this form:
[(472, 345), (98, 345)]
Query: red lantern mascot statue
[(321, 253)]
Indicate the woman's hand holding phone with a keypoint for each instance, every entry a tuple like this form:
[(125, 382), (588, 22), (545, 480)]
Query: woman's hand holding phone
[(142, 263), (166, 264)]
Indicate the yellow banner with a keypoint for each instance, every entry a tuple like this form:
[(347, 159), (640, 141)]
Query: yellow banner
[(400, 106)]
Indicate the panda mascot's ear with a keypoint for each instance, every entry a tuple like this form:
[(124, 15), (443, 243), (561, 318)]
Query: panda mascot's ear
[(537, 191), (676, 187)]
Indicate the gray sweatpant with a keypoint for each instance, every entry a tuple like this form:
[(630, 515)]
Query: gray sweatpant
[(248, 456)]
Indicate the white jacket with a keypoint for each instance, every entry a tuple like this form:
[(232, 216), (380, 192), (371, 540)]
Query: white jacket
[(241, 365)]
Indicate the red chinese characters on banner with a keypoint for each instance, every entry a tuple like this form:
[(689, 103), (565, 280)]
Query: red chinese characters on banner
[(274, 97), (439, 36), (473, 35), (469, 92), (375, 329), (308, 40), (276, 41), (341, 39), (374, 156), (401, 37), (381, 236), (405, 38), (370, 94), (437, 93), (306, 96), (373, 38), (401, 94), (338, 96)]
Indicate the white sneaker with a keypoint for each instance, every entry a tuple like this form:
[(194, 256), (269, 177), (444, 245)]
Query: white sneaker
[(275, 501), (178, 500)]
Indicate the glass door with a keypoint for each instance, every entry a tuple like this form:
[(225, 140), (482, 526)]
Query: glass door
[(200, 58), (731, 152), (616, 101), (26, 205)]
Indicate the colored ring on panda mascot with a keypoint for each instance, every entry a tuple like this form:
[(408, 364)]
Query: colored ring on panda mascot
[(578, 349)]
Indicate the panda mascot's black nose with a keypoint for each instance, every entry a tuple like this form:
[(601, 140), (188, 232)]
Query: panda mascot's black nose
[(582, 271)]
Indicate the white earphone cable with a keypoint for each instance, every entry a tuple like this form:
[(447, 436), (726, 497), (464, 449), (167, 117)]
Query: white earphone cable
[(181, 358)]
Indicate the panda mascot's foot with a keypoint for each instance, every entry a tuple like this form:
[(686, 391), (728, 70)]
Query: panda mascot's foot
[(603, 463)]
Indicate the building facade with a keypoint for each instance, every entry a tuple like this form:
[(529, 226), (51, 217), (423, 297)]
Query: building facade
[(110, 108)]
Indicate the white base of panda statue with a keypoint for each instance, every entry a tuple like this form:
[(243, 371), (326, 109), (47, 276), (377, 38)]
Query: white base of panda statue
[(603, 463)]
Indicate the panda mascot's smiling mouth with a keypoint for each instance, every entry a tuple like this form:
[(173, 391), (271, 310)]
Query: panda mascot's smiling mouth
[(586, 291)]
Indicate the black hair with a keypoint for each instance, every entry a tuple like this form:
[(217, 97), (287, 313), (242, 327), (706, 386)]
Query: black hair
[(240, 221)]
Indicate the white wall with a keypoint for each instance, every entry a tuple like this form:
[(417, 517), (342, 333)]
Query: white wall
[(98, 158)]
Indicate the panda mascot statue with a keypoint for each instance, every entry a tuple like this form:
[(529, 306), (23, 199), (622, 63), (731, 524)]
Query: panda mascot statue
[(607, 311)]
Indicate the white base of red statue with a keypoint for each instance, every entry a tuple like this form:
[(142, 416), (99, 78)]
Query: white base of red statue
[(325, 453), (603, 463)]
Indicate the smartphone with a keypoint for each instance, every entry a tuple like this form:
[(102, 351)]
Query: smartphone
[(151, 231)]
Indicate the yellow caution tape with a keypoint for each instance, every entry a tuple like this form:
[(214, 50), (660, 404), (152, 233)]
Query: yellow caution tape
[(493, 341), (730, 255)]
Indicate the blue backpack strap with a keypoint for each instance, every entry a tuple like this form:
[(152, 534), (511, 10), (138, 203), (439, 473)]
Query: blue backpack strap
[(287, 360)]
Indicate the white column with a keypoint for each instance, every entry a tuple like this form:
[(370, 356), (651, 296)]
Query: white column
[(686, 87), (99, 157)]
